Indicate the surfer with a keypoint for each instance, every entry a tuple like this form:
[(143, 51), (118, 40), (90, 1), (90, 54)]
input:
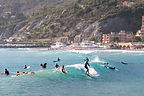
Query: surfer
[(86, 66), (124, 63), (106, 63), (58, 59), (63, 69), (19, 73), (6, 72), (25, 67), (56, 65), (43, 65), (28, 72), (113, 68)]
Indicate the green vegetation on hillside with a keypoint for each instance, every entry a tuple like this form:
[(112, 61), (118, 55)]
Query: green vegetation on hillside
[(70, 20), (86, 10)]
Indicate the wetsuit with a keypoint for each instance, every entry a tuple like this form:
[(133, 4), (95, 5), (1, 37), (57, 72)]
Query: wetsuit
[(56, 65), (25, 67), (86, 66), (44, 66), (6, 72), (58, 59), (63, 70)]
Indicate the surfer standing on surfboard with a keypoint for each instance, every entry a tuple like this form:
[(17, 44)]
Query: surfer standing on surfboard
[(86, 65)]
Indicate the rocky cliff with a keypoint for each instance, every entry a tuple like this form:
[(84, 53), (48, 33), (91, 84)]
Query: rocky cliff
[(79, 21)]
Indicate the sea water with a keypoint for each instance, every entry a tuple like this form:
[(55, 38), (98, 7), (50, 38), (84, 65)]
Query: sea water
[(126, 80)]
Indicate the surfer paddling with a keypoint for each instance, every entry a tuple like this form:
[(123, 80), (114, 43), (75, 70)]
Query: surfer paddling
[(19, 73), (112, 68)]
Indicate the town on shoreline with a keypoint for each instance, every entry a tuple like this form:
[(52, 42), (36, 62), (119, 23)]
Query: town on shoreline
[(115, 40)]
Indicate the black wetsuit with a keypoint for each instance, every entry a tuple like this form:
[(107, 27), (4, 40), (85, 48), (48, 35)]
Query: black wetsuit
[(58, 59), (6, 72), (25, 67), (44, 66), (86, 66), (56, 65)]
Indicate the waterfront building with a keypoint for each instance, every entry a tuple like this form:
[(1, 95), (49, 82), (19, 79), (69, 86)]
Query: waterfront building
[(75, 45), (128, 4), (58, 45), (88, 44), (122, 36), (140, 32)]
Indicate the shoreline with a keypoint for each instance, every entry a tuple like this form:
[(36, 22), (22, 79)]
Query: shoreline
[(79, 49)]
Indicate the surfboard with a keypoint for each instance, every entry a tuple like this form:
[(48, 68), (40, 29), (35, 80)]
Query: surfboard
[(92, 72), (88, 74), (14, 76), (28, 67), (2, 74), (55, 61)]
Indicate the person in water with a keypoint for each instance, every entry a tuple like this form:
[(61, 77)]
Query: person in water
[(106, 63), (43, 65), (28, 72), (25, 67), (63, 69), (58, 59), (56, 65), (6, 72), (112, 68), (86, 66), (19, 73)]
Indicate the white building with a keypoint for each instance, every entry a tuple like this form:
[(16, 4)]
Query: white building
[(58, 45)]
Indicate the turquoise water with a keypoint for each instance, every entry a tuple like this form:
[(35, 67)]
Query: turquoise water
[(126, 80)]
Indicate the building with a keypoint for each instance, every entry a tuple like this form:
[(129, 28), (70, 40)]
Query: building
[(128, 4), (87, 44), (131, 45), (74, 45), (58, 45), (106, 38), (122, 36), (140, 32)]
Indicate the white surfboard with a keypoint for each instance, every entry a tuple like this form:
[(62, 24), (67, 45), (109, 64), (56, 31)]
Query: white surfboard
[(28, 67)]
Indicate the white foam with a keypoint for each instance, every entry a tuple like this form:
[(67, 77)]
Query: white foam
[(82, 51), (96, 59), (92, 71), (125, 51)]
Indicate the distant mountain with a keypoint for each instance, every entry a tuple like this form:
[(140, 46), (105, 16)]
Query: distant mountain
[(77, 21)]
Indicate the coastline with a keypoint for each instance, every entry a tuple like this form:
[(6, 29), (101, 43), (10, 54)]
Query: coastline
[(81, 49)]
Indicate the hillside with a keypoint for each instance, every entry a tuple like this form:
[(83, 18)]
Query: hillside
[(79, 21)]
